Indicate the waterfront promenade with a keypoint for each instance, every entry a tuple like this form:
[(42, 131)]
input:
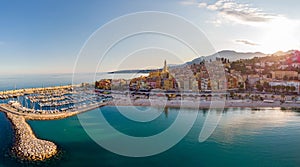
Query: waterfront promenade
[(196, 103)]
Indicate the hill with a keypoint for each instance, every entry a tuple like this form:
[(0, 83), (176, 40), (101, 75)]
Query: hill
[(229, 54)]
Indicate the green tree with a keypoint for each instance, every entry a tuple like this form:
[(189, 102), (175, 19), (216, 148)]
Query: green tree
[(232, 94), (274, 88), (273, 97), (293, 88), (283, 97), (288, 89), (266, 86), (259, 87)]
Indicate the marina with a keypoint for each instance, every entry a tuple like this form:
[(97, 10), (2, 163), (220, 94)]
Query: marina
[(44, 104)]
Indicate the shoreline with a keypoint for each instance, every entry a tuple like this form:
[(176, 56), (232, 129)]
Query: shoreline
[(32, 90), (201, 105)]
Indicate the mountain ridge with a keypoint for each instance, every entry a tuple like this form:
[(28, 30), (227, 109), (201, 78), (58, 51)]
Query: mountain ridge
[(228, 54)]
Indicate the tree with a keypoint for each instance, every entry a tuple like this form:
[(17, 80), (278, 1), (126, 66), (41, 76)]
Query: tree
[(277, 88), (240, 96), (283, 97), (232, 94), (293, 88), (274, 88), (259, 87), (288, 88), (266, 85), (273, 97)]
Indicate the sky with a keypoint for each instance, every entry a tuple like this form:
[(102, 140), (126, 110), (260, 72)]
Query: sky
[(47, 36)]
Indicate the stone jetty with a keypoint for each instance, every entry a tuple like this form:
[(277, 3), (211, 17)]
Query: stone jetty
[(27, 146)]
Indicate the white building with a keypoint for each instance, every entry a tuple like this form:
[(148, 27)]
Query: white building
[(296, 65), (283, 67), (270, 63)]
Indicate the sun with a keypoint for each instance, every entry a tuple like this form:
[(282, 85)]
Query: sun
[(280, 34)]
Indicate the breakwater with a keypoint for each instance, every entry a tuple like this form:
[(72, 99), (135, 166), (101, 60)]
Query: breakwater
[(27, 146)]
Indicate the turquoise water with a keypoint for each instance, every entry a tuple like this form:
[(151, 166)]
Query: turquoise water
[(244, 137)]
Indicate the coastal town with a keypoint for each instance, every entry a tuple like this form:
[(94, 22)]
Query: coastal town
[(169, 83), (268, 79)]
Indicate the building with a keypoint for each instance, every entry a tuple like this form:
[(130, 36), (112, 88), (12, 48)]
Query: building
[(296, 65), (160, 79), (252, 79), (103, 84), (284, 75)]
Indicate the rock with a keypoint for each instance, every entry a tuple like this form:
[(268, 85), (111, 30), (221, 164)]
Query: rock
[(27, 146)]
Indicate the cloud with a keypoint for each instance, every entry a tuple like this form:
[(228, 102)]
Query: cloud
[(189, 2), (202, 5), (246, 42), (238, 12)]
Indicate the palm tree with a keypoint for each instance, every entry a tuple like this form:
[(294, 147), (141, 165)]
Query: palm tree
[(294, 98), (277, 88), (282, 88), (240, 97), (274, 88), (287, 88), (293, 88), (283, 97), (273, 97)]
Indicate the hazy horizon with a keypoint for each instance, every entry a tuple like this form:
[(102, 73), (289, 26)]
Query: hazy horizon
[(129, 68)]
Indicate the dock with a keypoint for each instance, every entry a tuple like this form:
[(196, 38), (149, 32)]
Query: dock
[(31, 116)]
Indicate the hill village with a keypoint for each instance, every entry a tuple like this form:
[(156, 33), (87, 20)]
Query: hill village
[(276, 75)]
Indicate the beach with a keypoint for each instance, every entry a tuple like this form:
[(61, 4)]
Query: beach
[(197, 103)]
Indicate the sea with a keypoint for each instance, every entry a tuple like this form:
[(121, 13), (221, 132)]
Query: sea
[(242, 136)]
